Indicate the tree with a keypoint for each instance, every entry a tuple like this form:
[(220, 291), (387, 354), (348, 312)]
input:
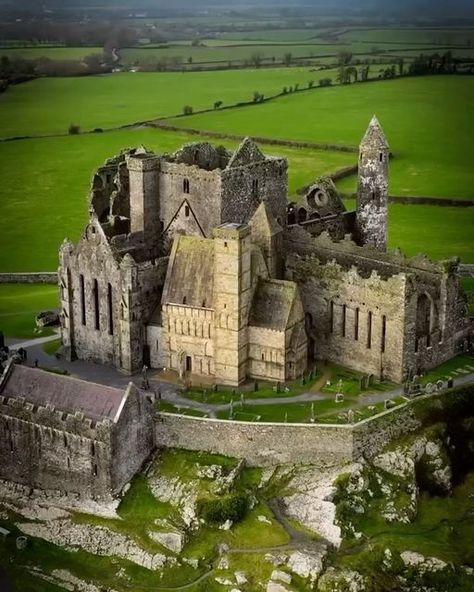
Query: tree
[(325, 82), (74, 130), (401, 66), (258, 97), (364, 73), (344, 58), (311, 84), (217, 104), (287, 59), (187, 110), (256, 59)]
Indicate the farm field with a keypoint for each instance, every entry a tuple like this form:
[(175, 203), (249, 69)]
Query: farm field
[(407, 35), (50, 105), (428, 122), (267, 51), (20, 303), (49, 181), (53, 53)]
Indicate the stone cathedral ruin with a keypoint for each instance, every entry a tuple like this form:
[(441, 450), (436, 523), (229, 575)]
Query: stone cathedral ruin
[(196, 262)]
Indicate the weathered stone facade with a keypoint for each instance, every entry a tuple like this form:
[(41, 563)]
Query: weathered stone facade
[(60, 433), (185, 254)]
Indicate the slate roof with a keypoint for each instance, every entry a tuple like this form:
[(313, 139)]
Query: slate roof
[(272, 304), (190, 276), (95, 401)]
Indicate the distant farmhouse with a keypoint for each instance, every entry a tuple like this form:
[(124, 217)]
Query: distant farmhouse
[(196, 262)]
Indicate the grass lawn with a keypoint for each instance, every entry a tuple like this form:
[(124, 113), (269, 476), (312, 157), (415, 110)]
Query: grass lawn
[(348, 382), (438, 231), (19, 304), (48, 200), (448, 369), (428, 122), (289, 412), (468, 285), (407, 35), (50, 105)]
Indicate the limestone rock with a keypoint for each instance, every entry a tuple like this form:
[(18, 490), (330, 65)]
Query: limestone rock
[(307, 564), (174, 541), (344, 580), (240, 578), (280, 576), (97, 540)]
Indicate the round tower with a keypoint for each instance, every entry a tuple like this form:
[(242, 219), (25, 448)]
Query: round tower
[(372, 192)]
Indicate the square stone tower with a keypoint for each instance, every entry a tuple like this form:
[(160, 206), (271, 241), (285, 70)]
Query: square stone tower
[(232, 300)]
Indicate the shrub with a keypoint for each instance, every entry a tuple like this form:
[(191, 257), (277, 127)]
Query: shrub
[(218, 510), (74, 129), (187, 110)]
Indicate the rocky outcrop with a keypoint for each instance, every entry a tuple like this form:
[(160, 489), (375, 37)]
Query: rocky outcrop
[(97, 540)]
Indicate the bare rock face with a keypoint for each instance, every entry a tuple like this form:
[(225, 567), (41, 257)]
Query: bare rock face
[(94, 539), (312, 503), (174, 541), (345, 580), (308, 564), (178, 493)]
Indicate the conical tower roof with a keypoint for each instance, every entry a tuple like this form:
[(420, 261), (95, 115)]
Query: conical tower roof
[(374, 135)]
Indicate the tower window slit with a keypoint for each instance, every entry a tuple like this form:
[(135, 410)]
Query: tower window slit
[(95, 291), (83, 299), (384, 333), (110, 309), (356, 325), (185, 185), (369, 330), (331, 316), (344, 311)]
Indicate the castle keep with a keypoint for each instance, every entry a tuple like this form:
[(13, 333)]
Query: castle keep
[(197, 262)]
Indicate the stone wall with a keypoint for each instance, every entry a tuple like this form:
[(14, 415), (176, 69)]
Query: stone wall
[(259, 444), (49, 449), (39, 277)]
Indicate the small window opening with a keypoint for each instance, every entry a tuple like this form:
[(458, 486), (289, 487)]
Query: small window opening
[(344, 310), (356, 325), (255, 187), (369, 330), (83, 299), (384, 333), (185, 185), (381, 157), (225, 244), (263, 357), (95, 291), (184, 299), (186, 211), (110, 309)]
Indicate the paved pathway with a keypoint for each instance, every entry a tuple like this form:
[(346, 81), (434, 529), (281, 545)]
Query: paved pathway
[(172, 393)]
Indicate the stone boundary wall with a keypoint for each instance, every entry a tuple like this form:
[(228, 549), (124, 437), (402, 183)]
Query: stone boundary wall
[(418, 200), (260, 444), (258, 139), (34, 277), (266, 444)]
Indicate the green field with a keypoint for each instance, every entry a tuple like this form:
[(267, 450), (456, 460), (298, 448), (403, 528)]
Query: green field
[(52, 53), (48, 183), (410, 35), (19, 304), (50, 105), (428, 122)]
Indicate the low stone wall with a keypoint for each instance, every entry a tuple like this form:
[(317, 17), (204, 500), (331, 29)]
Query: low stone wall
[(260, 444), (263, 444), (37, 277)]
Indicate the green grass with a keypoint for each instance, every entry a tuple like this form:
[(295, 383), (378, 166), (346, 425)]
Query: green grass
[(348, 381), (50, 105), (444, 527), (428, 122), (468, 285), (47, 201), (447, 369), (167, 407), (434, 36), (52, 53), (289, 412), (51, 347), (19, 304)]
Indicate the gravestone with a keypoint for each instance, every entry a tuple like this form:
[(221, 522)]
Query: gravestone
[(429, 388), (339, 398), (450, 382), (440, 385)]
